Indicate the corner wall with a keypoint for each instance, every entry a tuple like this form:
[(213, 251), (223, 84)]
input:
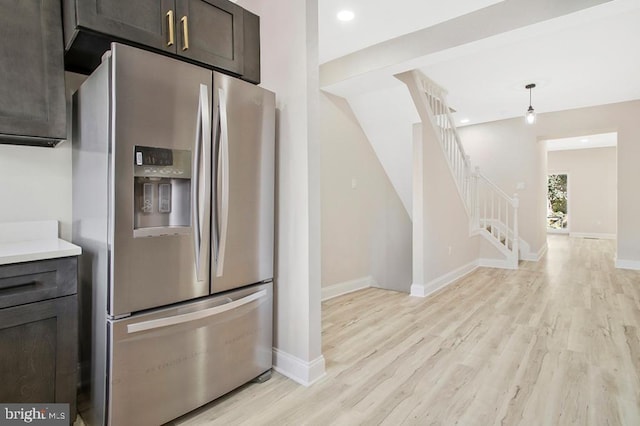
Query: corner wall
[(509, 151), (592, 188), (289, 64), (366, 231), (445, 251)]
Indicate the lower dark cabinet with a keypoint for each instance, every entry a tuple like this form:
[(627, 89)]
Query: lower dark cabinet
[(39, 346), (38, 361)]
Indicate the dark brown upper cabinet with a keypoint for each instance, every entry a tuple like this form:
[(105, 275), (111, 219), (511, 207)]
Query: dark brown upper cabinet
[(211, 32), (207, 32), (32, 96)]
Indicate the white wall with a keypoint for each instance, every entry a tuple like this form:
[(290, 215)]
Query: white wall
[(445, 249), (509, 151), (593, 189), (289, 57), (35, 184), (386, 116), (366, 231)]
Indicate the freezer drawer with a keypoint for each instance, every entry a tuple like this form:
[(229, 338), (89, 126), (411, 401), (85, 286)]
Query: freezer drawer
[(169, 362)]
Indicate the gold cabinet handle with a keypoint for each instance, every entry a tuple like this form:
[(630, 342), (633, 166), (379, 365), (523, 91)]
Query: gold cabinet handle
[(170, 25), (185, 33)]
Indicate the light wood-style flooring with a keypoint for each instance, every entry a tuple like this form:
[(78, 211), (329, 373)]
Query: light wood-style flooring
[(556, 342)]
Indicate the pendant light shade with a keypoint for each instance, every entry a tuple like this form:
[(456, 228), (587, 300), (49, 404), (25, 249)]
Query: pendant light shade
[(530, 116)]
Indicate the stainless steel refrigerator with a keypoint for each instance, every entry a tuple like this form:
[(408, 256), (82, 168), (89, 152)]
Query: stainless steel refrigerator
[(173, 205)]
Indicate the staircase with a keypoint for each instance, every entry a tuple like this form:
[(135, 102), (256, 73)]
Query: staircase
[(492, 213)]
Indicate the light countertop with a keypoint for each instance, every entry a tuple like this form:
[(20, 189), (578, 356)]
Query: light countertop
[(29, 241)]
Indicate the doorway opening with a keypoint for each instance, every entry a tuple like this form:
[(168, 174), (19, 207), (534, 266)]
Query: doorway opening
[(582, 186), (557, 203)]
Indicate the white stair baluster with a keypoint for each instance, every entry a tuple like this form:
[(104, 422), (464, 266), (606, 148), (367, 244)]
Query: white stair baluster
[(484, 217), (507, 223), (514, 224)]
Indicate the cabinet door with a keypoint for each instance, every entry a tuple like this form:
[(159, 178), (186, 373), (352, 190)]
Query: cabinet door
[(251, 54), (211, 32), (146, 22), (32, 98), (38, 352)]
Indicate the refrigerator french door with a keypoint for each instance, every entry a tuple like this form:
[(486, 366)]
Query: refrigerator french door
[(173, 187), (243, 201), (160, 143)]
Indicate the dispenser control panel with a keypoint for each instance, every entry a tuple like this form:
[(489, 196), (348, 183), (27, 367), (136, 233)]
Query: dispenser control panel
[(162, 163), (149, 156), (162, 191)]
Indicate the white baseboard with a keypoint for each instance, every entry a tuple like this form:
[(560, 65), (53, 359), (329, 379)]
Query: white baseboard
[(345, 287), (298, 370), (628, 264), (423, 290), (542, 251), (495, 263), (524, 250), (535, 257), (558, 231), (418, 290), (593, 235)]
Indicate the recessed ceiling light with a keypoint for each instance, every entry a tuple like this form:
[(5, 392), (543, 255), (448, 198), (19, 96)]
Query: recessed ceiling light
[(584, 140), (464, 121), (345, 15)]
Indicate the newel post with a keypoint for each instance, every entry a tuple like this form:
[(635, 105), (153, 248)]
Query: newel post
[(468, 194)]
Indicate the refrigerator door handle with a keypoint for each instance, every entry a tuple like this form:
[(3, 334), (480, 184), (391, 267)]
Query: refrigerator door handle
[(193, 316), (223, 183), (198, 193)]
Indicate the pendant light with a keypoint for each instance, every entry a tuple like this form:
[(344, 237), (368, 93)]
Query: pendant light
[(531, 114)]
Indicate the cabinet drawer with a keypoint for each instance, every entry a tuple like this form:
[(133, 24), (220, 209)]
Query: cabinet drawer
[(29, 282)]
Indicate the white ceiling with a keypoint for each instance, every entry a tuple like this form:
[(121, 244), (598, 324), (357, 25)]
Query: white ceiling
[(378, 20), (577, 59), (582, 59)]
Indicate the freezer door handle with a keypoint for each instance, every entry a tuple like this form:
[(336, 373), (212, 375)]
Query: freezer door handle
[(222, 213), (200, 187), (194, 316)]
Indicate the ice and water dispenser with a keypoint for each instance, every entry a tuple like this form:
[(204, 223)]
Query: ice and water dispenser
[(162, 191)]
